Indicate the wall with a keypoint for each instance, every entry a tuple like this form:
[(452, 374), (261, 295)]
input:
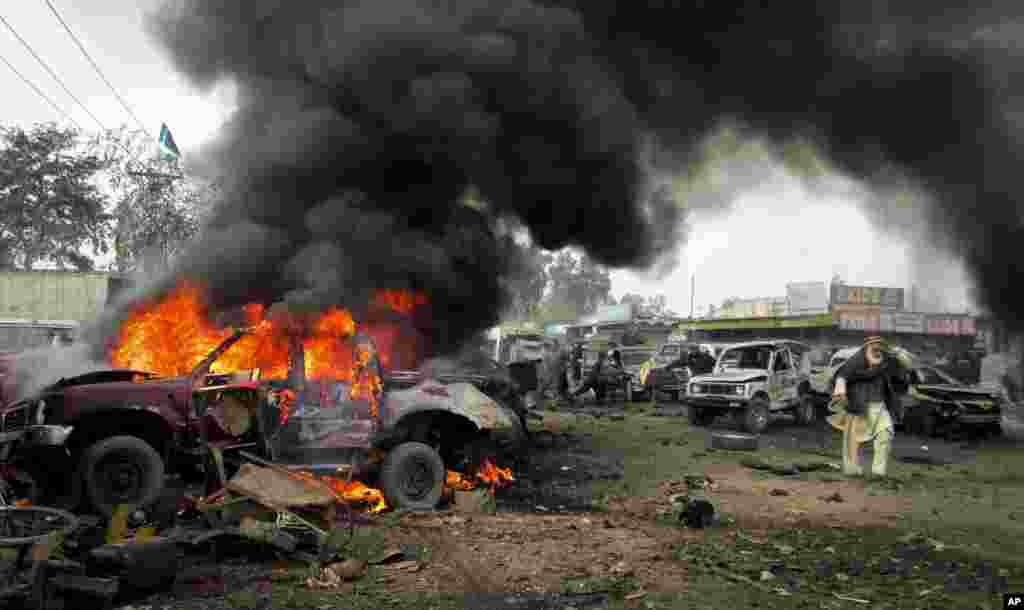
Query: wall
[(52, 295)]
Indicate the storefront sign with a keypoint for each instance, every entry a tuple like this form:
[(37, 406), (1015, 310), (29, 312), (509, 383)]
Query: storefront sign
[(807, 297), (952, 326), (865, 322), (885, 298), (902, 323)]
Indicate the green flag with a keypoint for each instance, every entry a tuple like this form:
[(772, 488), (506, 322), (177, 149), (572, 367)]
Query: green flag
[(168, 149)]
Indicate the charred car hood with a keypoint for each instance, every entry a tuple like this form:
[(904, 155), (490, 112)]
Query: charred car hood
[(731, 376), (951, 393)]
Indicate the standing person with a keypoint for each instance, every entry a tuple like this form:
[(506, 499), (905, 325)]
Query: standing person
[(593, 380), (863, 388)]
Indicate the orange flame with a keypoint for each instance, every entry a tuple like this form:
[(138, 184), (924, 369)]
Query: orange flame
[(351, 492), (171, 336), (487, 473)]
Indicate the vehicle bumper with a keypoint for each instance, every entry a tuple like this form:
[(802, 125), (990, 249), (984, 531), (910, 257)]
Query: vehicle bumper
[(716, 402), (32, 440)]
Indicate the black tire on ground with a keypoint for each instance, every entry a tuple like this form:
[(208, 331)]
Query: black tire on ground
[(806, 411), (699, 416), (734, 441), (756, 418), (121, 470), (412, 477), (927, 423), (994, 430), (629, 392)]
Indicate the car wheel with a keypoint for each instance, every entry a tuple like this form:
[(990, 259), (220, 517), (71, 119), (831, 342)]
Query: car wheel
[(927, 423), (413, 477), (699, 416), (734, 441), (629, 392), (806, 411), (121, 470), (756, 418)]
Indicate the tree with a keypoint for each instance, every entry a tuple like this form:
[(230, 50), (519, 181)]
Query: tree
[(157, 209), (579, 281), (529, 281), (635, 300), (52, 211)]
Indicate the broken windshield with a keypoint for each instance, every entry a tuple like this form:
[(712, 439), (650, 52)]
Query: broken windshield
[(754, 357)]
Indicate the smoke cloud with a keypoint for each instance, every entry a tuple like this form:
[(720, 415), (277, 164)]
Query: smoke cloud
[(363, 124)]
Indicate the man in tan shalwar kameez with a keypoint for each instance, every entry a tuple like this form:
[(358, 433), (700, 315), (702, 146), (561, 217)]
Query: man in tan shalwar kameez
[(863, 388)]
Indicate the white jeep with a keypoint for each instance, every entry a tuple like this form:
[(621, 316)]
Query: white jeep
[(752, 381)]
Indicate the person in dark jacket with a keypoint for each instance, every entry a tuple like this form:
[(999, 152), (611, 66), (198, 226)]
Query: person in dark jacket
[(700, 362), (593, 380), (862, 398)]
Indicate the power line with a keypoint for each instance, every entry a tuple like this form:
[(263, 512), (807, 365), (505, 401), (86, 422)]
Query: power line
[(51, 72), (40, 93), (96, 67)]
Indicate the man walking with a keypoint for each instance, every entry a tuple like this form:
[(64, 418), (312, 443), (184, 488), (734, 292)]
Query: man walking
[(863, 389)]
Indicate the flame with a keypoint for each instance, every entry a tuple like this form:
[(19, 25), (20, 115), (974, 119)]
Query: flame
[(171, 336), (286, 405), (350, 492), (487, 473)]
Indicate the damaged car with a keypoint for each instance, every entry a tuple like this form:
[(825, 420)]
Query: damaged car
[(109, 438), (753, 381), (935, 403)]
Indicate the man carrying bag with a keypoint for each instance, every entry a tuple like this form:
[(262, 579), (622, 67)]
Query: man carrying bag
[(863, 389)]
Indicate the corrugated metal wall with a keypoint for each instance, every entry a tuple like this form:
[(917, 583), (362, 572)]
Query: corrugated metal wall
[(52, 295)]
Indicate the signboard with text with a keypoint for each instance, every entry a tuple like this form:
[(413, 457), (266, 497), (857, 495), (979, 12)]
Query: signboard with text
[(807, 297), (939, 325), (860, 321), (885, 298), (892, 322)]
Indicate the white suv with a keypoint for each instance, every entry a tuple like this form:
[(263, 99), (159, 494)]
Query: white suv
[(752, 381)]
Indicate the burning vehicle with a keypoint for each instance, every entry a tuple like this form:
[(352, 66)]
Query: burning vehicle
[(110, 437), (752, 381)]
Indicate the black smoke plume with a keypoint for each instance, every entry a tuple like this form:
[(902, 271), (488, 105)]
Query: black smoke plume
[(363, 124)]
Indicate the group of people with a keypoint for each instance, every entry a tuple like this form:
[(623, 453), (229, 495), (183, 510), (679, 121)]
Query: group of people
[(863, 387)]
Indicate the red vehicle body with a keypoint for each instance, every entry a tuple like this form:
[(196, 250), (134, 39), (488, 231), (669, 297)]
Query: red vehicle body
[(109, 437)]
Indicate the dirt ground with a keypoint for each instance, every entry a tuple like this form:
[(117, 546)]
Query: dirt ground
[(593, 520)]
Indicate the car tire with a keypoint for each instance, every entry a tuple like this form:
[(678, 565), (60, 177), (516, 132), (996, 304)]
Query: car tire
[(756, 416), (121, 470), (629, 392), (412, 477), (698, 416), (734, 441), (927, 424), (806, 411)]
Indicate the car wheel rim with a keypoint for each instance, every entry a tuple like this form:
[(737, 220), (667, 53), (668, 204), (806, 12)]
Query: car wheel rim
[(120, 478), (417, 482)]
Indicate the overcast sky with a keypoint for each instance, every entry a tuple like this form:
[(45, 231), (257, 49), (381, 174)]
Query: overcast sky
[(777, 233)]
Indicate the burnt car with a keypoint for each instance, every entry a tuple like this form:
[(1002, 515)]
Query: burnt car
[(110, 437), (671, 368), (934, 402), (633, 360)]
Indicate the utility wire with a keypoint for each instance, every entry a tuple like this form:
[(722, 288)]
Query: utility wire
[(40, 93), (46, 67), (96, 67)]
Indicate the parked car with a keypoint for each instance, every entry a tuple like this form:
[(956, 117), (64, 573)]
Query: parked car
[(111, 436), (633, 360), (671, 368), (751, 382), (934, 402)]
